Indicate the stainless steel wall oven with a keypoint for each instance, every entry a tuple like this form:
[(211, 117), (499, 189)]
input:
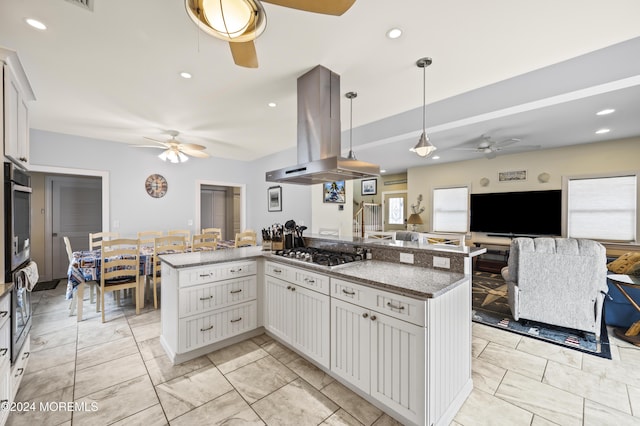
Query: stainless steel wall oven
[(17, 232)]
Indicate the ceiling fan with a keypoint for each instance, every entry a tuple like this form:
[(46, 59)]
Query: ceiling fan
[(491, 148), (240, 22), (174, 150)]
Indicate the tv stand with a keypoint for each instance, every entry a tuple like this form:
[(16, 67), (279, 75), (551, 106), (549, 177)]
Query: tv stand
[(494, 259)]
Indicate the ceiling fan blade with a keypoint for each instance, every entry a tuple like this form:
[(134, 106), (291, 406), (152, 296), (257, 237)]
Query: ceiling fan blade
[(506, 142), (148, 146), (163, 143), (244, 54), (198, 154), (193, 146), (326, 7)]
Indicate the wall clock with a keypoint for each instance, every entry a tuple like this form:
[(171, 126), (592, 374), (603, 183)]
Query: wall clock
[(156, 186)]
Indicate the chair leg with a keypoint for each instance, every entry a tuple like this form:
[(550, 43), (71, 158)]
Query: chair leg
[(80, 297), (91, 293), (102, 304), (72, 303), (155, 294), (98, 292)]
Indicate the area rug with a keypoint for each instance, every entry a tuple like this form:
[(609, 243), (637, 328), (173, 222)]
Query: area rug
[(46, 285), (491, 307)]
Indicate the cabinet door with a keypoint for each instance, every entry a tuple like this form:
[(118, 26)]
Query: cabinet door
[(11, 107), (23, 132), (279, 309), (312, 319), (350, 343), (398, 371)]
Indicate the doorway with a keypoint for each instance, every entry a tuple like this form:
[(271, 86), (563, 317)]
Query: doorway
[(220, 208), (395, 210)]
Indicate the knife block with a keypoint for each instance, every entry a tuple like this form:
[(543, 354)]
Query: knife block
[(277, 245)]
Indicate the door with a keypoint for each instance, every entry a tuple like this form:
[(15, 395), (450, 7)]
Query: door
[(311, 324), (279, 308), (213, 209), (350, 343), (397, 375), (395, 211), (76, 210)]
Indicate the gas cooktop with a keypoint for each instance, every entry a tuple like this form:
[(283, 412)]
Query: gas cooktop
[(319, 256)]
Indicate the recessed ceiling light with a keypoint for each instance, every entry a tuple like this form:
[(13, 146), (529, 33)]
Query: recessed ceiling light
[(35, 24), (602, 131), (383, 171), (394, 33), (272, 104), (185, 75), (435, 157), (606, 111)]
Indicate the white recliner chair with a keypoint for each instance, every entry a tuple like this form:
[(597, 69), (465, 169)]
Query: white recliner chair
[(558, 281)]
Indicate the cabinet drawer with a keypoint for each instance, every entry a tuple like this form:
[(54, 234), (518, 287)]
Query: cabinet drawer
[(19, 368), (212, 273), (394, 305), (5, 309), (201, 330), (202, 298), (5, 344), (299, 276)]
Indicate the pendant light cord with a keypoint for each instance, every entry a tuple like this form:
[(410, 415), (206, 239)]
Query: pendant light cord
[(350, 124), (424, 99)]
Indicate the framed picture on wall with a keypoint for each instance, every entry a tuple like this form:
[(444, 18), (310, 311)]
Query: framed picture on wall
[(274, 199), (369, 187), (334, 192)]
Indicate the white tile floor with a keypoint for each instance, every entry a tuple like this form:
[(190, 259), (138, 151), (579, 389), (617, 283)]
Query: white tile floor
[(121, 367)]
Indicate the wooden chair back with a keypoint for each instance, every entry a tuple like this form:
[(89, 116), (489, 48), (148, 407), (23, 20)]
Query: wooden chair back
[(164, 245), (95, 239), (200, 242), (216, 231), (246, 238), (67, 246), (120, 268), (449, 239), (380, 235), (147, 238), (184, 232)]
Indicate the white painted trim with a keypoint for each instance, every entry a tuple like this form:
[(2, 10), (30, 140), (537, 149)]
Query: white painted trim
[(243, 201)]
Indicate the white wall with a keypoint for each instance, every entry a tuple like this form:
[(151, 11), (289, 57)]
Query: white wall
[(129, 167)]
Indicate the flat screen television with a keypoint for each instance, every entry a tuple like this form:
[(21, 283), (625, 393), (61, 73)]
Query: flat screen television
[(517, 213)]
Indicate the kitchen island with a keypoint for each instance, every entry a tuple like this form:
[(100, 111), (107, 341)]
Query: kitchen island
[(397, 334)]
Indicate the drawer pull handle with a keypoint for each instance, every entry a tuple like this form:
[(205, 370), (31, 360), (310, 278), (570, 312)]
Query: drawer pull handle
[(26, 355), (205, 275), (233, 271), (19, 372), (236, 291), (373, 317), (236, 320), (4, 314), (4, 351), (206, 329), (365, 315), (310, 280), (206, 298), (350, 293), (392, 306), (277, 271)]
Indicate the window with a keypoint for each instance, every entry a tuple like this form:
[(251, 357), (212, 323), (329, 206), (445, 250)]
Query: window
[(602, 208), (451, 209)]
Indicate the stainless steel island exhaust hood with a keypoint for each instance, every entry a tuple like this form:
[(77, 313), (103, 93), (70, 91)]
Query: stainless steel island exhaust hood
[(319, 148)]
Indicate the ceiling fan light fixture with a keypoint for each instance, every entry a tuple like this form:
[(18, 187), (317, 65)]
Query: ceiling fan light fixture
[(424, 148), (229, 20)]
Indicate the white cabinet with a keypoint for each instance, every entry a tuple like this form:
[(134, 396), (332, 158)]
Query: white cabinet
[(20, 366), (16, 94), (5, 357), (383, 356), (297, 309), (206, 304)]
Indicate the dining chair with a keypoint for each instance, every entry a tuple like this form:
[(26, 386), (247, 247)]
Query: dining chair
[(184, 232), (246, 238), (217, 231), (96, 239), (163, 245), (78, 295), (204, 241), (147, 238), (120, 268)]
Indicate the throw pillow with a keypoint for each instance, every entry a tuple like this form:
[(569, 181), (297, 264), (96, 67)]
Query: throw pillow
[(628, 264)]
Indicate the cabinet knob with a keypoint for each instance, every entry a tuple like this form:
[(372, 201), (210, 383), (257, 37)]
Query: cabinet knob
[(293, 289), (373, 317), (288, 287), (365, 315)]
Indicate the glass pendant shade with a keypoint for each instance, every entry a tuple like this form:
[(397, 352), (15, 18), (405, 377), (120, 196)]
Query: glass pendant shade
[(424, 148)]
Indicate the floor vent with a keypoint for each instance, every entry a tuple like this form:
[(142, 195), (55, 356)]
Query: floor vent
[(85, 4)]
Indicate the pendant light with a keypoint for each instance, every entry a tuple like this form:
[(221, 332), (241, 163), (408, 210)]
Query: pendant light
[(350, 96), (424, 148)]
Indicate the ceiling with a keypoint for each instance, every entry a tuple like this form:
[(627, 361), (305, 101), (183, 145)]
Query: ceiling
[(506, 69)]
